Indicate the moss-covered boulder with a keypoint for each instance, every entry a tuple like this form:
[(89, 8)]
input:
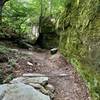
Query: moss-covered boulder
[(48, 37)]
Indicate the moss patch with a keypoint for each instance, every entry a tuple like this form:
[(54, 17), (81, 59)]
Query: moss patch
[(81, 40), (90, 76)]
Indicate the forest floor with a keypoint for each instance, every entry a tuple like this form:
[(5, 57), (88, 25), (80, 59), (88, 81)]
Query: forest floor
[(69, 87)]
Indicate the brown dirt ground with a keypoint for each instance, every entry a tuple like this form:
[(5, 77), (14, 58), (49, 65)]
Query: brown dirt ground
[(70, 87)]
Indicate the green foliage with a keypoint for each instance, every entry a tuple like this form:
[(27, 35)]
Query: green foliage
[(4, 50), (12, 63), (81, 40), (90, 76), (19, 16), (6, 73)]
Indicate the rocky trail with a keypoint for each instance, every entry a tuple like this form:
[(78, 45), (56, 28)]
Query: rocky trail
[(62, 75)]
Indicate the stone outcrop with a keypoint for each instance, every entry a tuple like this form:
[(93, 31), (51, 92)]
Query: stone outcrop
[(81, 37)]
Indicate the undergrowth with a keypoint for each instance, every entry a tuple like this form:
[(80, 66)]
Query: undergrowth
[(4, 50), (6, 72), (90, 76)]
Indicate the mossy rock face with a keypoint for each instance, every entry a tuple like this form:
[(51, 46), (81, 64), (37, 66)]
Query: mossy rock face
[(48, 36), (80, 40), (48, 41), (47, 25), (82, 36)]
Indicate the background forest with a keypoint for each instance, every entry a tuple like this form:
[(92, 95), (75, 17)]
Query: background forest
[(73, 26)]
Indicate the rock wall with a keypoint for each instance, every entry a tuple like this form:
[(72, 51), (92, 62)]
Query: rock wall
[(48, 37), (81, 36)]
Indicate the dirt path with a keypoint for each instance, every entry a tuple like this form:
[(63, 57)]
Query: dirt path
[(70, 87)]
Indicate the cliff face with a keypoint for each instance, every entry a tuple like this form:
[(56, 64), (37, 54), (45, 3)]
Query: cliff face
[(81, 37)]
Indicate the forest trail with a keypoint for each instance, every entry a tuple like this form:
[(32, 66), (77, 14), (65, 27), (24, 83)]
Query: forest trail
[(68, 87)]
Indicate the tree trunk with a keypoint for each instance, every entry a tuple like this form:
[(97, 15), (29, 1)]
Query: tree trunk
[(1, 6), (2, 2)]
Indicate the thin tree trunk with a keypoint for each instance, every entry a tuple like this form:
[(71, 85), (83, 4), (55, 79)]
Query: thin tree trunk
[(50, 7), (39, 40), (2, 2), (40, 18), (1, 6)]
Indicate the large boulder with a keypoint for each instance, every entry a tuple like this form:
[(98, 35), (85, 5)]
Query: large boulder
[(28, 87), (20, 91), (32, 36), (48, 36)]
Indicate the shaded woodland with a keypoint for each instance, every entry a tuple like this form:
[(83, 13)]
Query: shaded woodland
[(72, 26)]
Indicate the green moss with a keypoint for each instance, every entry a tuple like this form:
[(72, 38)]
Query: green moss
[(82, 37), (90, 76), (48, 35), (50, 40), (84, 24), (81, 40), (4, 50)]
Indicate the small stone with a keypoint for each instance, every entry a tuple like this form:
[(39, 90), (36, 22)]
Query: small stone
[(50, 88), (31, 78), (33, 75), (29, 63), (14, 50), (53, 51)]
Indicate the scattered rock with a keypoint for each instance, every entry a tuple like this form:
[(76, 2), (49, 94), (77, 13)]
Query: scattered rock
[(28, 87), (20, 91), (39, 80), (50, 87), (54, 51), (33, 75), (23, 43), (29, 63), (14, 50)]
